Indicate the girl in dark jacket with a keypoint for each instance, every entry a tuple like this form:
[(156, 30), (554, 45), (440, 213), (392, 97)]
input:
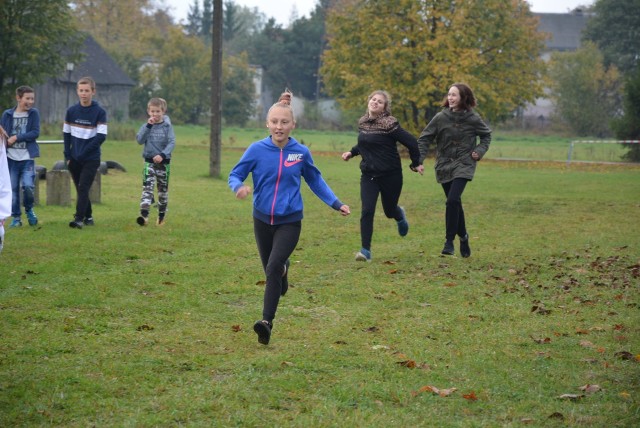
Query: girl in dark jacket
[(381, 167), (455, 131)]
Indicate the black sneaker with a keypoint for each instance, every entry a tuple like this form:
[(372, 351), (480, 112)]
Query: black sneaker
[(142, 220), (75, 224), (448, 249), (285, 278), (263, 330), (465, 249), (88, 221)]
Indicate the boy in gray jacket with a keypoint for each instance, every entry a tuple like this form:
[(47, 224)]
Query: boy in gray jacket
[(158, 139)]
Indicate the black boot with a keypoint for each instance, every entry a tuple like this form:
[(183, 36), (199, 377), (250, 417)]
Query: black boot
[(448, 249), (465, 250)]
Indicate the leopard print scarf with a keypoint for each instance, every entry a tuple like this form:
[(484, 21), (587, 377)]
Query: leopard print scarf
[(383, 124)]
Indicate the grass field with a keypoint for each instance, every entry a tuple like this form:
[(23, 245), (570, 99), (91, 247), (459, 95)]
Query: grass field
[(124, 326)]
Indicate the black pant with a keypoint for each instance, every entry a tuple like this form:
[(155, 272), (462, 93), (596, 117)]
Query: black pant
[(454, 217), (83, 174), (275, 245), (389, 188)]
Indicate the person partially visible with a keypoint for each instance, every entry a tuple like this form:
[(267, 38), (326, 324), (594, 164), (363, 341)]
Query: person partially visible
[(22, 124), (159, 140), (277, 164), (455, 132), (84, 131), (381, 167), (5, 185)]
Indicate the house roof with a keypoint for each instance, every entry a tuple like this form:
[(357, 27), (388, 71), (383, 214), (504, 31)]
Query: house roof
[(98, 64), (565, 29)]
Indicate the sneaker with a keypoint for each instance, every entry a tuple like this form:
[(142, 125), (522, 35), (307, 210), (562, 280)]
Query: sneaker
[(31, 217), (142, 220), (160, 221), (88, 221), (465, 250), (285, 279), (75, 224), (448, 249), (403, 225), (16, 222), (263, 330), (363, 255)]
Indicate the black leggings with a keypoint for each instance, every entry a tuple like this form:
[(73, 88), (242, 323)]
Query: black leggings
[(389, 188), (454, 217), (275, 245)]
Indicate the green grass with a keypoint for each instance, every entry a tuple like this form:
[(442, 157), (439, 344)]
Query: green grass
[(124, 326)]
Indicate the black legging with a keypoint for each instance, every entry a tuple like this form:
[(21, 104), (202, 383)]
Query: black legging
[(454, 216), (275, 245), (389, 188)]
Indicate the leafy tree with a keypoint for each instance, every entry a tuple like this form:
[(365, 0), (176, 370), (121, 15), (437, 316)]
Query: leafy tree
[(207, 21), (194, 19), (586, 93), (268, 50), (232, 24), (238, 92), (416, 49), (627, 127), (305, 44), (32, 34), (183, 76), (614, 28)]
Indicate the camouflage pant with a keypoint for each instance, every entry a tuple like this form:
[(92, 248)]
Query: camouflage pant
[(152, 175)]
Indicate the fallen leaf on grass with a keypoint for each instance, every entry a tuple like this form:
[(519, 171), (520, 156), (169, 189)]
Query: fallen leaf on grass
[(540, 309), (144, 327), (340, 342), (625, 355), (541, 341), (261, 282), (586, 344), (572, 397), (393, 271), (470, 396), (526, 420), (236, 328), (407, 363), (590, 388), (450, 284), (286, 363), (372, 329), (437, 391), (582, 331)]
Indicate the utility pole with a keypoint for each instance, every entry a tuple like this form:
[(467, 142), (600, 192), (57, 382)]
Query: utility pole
[(215, 145)]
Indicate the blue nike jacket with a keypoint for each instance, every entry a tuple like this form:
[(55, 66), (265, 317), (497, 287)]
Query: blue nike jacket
[(276, 177)]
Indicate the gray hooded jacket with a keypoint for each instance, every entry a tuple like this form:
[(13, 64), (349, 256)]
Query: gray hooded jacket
[(158, 139)]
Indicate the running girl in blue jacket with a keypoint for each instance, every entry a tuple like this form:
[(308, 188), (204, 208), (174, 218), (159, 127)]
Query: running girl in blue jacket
[(277, 164)]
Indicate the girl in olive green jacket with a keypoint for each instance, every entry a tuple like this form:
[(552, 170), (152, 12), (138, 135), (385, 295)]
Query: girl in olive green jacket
[(455, 131)]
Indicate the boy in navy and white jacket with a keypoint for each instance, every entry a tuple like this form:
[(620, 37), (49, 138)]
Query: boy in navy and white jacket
[(84, 131)]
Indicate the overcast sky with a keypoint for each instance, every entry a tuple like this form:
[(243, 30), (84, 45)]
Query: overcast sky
[(282, 10)]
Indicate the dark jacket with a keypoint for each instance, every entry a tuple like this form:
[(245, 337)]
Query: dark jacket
[(455, 136), (379, 150), (33, 129)]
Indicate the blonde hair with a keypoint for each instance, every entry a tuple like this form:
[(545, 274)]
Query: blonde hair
[(284, 102), (385, 94), (157, 102), (87, 81)]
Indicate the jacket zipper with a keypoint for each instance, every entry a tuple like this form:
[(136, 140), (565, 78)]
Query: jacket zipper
[(275, 193)]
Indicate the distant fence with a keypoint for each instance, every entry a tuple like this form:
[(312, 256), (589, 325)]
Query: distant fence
[(597, 142)]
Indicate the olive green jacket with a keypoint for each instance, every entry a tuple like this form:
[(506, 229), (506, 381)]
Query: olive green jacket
[(455, 136)]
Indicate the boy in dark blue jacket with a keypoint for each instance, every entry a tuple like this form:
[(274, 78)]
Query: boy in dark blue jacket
[(84, 130), (22, 124)]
